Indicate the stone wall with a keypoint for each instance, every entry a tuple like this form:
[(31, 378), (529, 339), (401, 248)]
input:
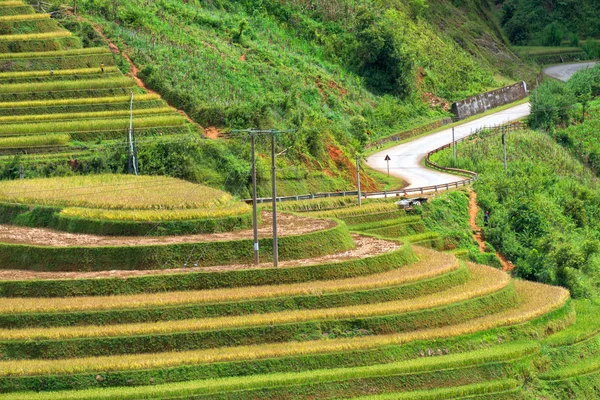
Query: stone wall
[(410, 133), (486, 101)]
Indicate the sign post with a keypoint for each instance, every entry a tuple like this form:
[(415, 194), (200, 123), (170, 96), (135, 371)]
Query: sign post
[(388, 159)]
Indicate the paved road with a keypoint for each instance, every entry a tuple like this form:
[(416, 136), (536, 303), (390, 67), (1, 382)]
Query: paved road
[(406, 159), (565, 71)]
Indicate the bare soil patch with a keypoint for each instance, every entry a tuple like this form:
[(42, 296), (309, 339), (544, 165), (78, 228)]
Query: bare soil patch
[(288, 225), (473, 210), (365, 247)]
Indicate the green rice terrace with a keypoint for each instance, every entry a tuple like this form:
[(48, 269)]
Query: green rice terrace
[(368, 302), (61, 101)]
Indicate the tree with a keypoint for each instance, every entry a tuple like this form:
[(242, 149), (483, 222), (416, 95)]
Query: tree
[(581, 87)]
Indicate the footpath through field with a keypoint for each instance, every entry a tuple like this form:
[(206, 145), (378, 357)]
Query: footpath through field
[(406, 159)]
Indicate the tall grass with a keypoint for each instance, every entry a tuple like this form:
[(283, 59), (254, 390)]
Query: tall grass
[(84, 84), (59, 72), (96, 125), (354, 211), (485, 281), (35, 36), (34, 141), (84, 115), (587, 325), (113, 192), (584, 367), (456, 392), (536, 301), (23, 17), (55, 53), (431, 264), (503, 353), (79, 101), (157, 215)]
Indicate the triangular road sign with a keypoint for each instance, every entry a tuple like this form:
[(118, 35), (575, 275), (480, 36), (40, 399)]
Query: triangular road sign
[(387, 158)]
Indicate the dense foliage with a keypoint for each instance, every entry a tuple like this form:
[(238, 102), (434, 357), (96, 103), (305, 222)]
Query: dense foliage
[(555, 103), (549, 22), (543, 209), (340, 72)]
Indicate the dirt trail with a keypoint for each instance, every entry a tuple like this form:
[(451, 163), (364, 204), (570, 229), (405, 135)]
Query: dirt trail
[(287, 225), (473, 210), (365, 247), (134, 73)]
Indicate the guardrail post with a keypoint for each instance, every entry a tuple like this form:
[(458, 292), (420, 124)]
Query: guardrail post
[(421, 190), (385, 194), (457, 184), (296, 198), (436, 188)]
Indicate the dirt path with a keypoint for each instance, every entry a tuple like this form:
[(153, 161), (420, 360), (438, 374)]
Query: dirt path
[(473, 210), (287, 225), (365, 247)]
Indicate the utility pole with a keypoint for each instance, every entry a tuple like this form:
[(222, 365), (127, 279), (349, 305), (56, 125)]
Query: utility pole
[(274, 192), (504, 145), (358, 179), (132, 155), (253, 133), (254, 201)]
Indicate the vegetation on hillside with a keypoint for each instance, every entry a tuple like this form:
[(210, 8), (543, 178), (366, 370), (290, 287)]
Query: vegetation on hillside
[(550, 23), (543, 209), (341, 73)]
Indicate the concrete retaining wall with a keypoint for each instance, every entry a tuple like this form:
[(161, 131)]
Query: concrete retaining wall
[(486, 101)]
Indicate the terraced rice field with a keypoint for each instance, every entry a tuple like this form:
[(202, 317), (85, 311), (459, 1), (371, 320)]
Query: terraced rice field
[(397, 322), (54, 92), (353, 311)]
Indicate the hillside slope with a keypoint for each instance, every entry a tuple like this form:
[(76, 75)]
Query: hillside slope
[(340, 72)]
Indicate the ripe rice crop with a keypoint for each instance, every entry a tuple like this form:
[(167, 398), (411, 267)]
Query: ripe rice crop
[(23, 17), (84, 100), (536, 301), (484, 281), (157, 215), (431, 264), (56, 53), (85, 115), (504, 353), (352, 211), (84, 84), (35, 36), (59, 72), (11, 3), (125, 192), (33, 141), (456, 392), (95, 125)]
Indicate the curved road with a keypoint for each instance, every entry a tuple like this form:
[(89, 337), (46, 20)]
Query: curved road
[(406, 158)]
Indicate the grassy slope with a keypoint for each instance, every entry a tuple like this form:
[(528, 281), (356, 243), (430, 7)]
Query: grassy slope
[(293, 68)]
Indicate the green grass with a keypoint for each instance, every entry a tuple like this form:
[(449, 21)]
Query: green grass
[(98, 115), (34, 141), (466, 391), (196, 388), (35, 36), (586, 326), (85, 126), (77, 101), (55, 53), (84, 84), (57, 73)]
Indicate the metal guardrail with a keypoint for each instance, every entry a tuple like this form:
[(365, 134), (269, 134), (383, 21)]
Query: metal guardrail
[(405, 192)]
